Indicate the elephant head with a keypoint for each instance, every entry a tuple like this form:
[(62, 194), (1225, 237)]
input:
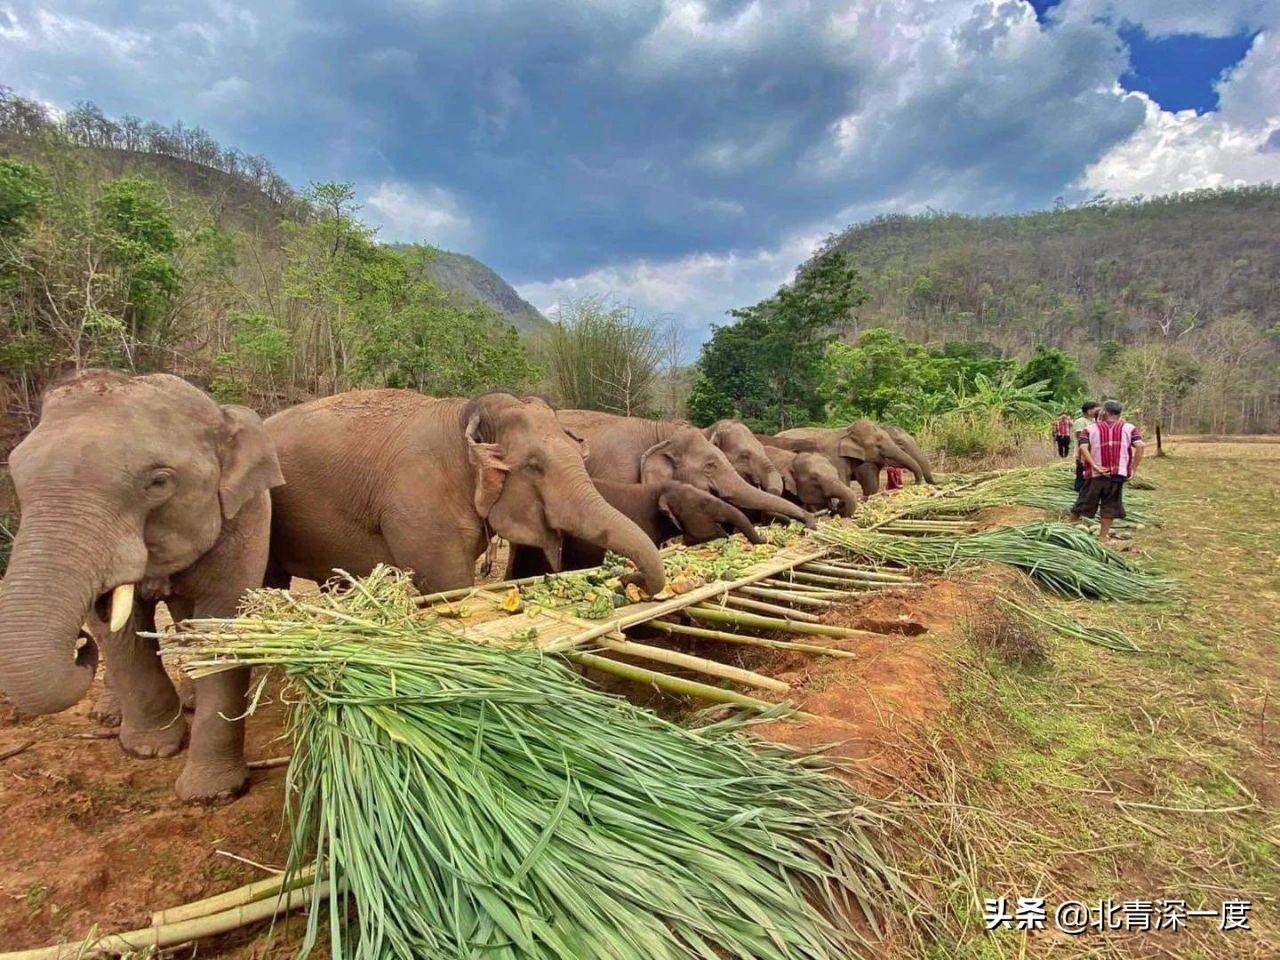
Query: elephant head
[(908, 443), (812, 480), (688, 456), (746, 454), (858, 451), (700, 517), (124, 479), (532, 486)]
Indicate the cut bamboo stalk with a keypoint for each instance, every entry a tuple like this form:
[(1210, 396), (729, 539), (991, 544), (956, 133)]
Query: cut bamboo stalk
[(809, 590), (663, 681), (235, 898), (855, 573), (697, 664), (170, 935), (772, 609), (788, 596), (773, 623), (821, 579), (708, 634)]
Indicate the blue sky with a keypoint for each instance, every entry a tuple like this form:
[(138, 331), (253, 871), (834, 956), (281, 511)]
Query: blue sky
[(684, 155)]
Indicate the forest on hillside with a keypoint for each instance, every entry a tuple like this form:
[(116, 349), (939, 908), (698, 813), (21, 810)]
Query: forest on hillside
[(1176, 299)]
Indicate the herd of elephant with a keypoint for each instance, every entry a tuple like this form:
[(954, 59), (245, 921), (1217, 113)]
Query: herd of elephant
[(139, 489)]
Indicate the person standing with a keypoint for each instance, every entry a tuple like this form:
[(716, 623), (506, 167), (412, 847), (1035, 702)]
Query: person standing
[(1111, 452), (1088, 414), (1062, 433)]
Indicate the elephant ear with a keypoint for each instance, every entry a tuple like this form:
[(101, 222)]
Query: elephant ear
[(657, 464), (852, 449), (248, 460), (664, 504), (789, 480), (486, 459), (583, 446)]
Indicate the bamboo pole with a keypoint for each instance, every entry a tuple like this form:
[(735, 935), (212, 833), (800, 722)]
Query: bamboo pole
[(747, 640), (821, 579), (773, 623), (772, 609), (809, 590), (663, 681), (697, 664), (170, 935), (854, 573), (235, 898), (788, 596)]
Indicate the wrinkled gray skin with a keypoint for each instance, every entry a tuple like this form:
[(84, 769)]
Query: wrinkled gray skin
[(391, 476), (811, 480), (908, 443), (747, 454), (859, 451), (146, 481), (661, 510), (632, 450)]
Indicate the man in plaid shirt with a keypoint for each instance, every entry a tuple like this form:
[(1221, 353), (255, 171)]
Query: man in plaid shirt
[(1110, 451)]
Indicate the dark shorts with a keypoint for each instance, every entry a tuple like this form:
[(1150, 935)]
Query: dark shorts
[(1101, 494)]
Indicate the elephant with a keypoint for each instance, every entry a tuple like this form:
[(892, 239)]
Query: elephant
[(134, 490), (662, 510), (633, 450), (908, 443), (392, 476), (859, 451), (746, 454), (811, 480)]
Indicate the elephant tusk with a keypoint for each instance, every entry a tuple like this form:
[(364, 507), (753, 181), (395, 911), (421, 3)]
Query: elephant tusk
[(121, 606)]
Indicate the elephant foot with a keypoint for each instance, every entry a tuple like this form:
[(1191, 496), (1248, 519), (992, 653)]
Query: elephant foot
[(210, 782), (106, 709), (157, 742), (186, 692)]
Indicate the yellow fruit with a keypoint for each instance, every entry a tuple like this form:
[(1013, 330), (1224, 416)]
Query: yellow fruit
[(511, 602)]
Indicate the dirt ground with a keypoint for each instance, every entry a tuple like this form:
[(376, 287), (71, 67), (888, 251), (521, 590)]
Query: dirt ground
[(95, 837)]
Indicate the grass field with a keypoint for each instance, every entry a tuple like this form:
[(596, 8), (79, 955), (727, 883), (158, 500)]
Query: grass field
[(1105, 775)]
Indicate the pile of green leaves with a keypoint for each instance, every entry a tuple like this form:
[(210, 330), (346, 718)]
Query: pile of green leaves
[(477, 801), (595, 594), (1061, 557)]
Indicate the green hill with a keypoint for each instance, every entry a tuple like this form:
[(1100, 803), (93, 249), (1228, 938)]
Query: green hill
[(1191, 279), (470, 278)]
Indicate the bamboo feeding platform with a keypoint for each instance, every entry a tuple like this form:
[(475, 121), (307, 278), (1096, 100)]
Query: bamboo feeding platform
[(784, 594)]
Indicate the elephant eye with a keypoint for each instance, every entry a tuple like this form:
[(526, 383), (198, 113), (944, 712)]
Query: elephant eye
[(159, 482)]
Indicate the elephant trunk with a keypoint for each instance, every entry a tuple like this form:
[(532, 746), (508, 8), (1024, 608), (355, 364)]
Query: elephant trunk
[(843, 499), (741, 524), (746, 497), (895, 454), (588, 516), (46, 660), (773, 481)]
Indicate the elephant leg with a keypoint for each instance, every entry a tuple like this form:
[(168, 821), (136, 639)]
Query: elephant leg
[(215, 768), (867, 474), (151, 721), (106, 709), (439, 558)]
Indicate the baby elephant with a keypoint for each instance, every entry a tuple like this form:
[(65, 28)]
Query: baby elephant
[(663, 510), (811, 480)]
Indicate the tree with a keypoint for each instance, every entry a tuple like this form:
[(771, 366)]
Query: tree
[(602, 356), (765, 368), (1061, 373), (1152, 379)]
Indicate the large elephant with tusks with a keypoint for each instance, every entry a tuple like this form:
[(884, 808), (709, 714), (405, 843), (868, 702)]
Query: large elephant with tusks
[(134, 490)]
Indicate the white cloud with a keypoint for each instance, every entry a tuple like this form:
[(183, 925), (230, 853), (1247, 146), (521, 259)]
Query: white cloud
[(698, 288), (1162, 18), (412, 214), (64, 34), (230, 95), (1183, 151)]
